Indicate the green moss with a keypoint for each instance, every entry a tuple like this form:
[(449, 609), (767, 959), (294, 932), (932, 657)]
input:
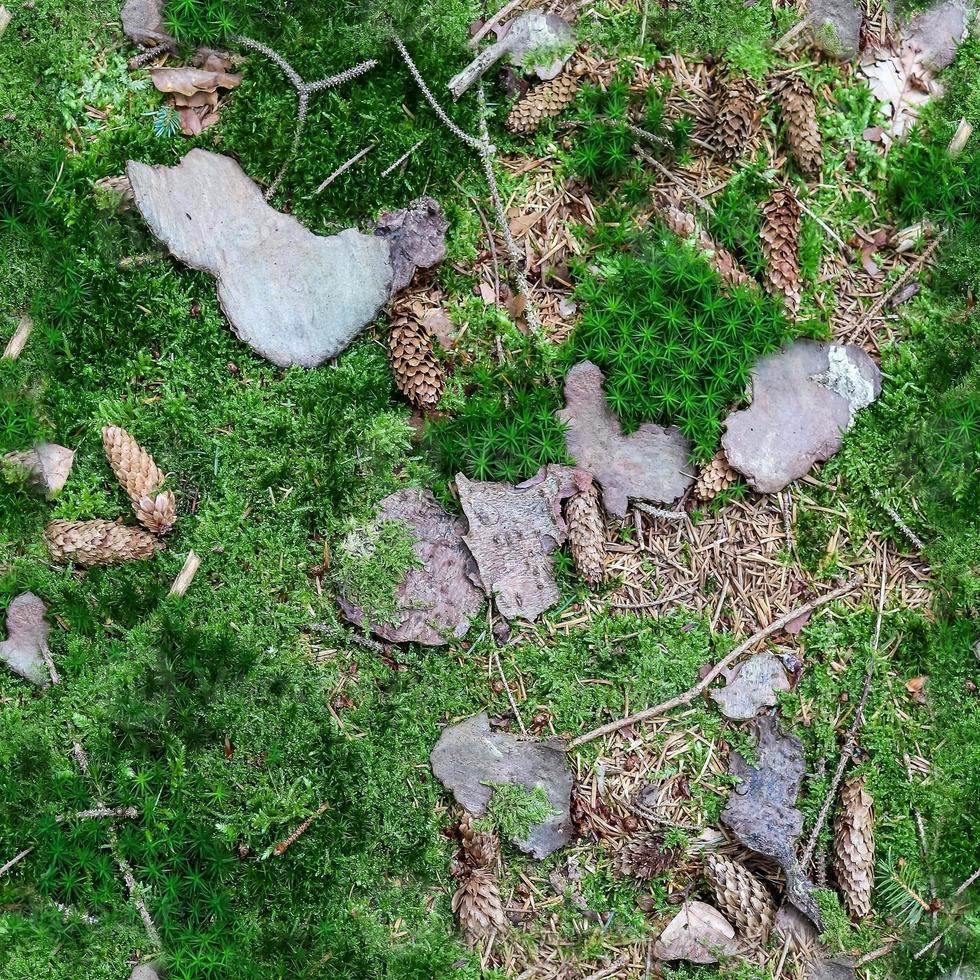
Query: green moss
[(372, 560), (514, 810)]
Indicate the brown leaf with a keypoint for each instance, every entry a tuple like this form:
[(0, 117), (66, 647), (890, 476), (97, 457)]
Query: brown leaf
[(873, 134), (190, 122), (187, 81), (441, 327), (487, 293), (523, 223), (795, 626), (695, 934), (916, 688)]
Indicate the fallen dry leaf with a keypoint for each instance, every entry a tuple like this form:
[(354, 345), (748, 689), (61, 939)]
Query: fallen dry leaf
[(698, 933), (188, 81), (45, 467), (916, 687), (27, 639)]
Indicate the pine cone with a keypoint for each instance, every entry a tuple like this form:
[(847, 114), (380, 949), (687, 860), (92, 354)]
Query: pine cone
[(418, 374), (715, 477), (542, 102), (587, 534), (479, 849), (781, 246), (645, 856), (799, 111), (478, 906), (684, 225), (736, 118), (141, 478), (741, 897), (854, 846), (98, 542)]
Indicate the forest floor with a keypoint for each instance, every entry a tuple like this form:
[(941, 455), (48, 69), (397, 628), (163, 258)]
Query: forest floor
[(231, 716)]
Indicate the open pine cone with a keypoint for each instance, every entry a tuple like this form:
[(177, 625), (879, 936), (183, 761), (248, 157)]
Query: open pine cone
[(741, 897), (478, 905), (141, 478), (736, 118), (542, 102), (854, 847), (781, 246), (99, 542), (587, 534), (417, 372), (799, 111)]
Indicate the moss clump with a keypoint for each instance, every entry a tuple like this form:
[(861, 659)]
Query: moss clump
[(372, 560), (674, 347), (514, 810)]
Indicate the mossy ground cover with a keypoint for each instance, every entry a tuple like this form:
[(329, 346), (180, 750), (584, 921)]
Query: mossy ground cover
[(223, 717)]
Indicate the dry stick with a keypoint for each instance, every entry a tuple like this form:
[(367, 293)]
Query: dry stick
[(851, 739), (667, 515), (344, 167), (493, 244), (899, 523), (304, 90), (782, 956), (688, 696), (875, 954), (607, 971), (966, 884), (133, 888), (100, 812), (654, 162), (19, 339), (510, 694), (491, 23), (137, 61), (283, 845), (186, 575), (16, 859), (402, 158)]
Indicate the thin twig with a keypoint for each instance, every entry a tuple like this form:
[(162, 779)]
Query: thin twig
[(19, 339), (667, 515), (875, 954), (607, 971), (782, 956), (654, 162), (932, 942), (899, 523), (284, 845), (689, 695), (344, 167), (137, 61), (966, 884), (186, 575), (16, 859), (510, 694), (851, 740), (402, 158), (100, 812), (491, 23)]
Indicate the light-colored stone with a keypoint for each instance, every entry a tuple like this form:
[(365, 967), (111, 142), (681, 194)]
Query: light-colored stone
[(294, 297), (835, 26)]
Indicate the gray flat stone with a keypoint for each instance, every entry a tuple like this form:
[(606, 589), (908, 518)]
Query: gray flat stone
[(27, 639), (468, 755), (439, 600), (804, 398), (835, 26), (416, 236), (649, 464), (143, 23), (294, 297), (936, 33)]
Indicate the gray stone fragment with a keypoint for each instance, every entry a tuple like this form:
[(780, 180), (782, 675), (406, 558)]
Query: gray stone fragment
[(936, 33), (649, 464), (294, 297), (440, 599), (827, 968), (27, 639), (836, 27), (416, 236), (468, 755), (751, 686), (804, 398), (144, 971), (143, 23)]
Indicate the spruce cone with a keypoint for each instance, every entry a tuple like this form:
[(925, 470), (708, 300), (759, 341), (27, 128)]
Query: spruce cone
[(799, 110), (418, 375), (854, 846), (781, 246), (684, 225), (716, 476), (736, 118), (542, 102), (741, 897), (587, 534), (645, 856), (479, 849), (141, 478), (98, 542), (478, 906)]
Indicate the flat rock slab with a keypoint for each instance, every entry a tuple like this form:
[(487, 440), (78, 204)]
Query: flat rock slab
[(804, 398), (27, 637), (836, 27), (143, 23), (469, 755), (439, 600), (294, 297), (649, 464), (513, 534), (936, 33)]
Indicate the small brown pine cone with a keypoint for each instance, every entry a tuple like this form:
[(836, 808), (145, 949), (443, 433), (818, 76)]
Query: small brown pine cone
[(99, 542), (684, 225), (587, 534), (542, 102), (854, 847), (781, 246), (418, 374), (645, 855), (736, 118), (716, 476), (141, 478), (478, 906), (741, 897), (479, 849), (799, 111)]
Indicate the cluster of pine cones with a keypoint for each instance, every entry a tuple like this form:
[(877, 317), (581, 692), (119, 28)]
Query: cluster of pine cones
[(106, 542)]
